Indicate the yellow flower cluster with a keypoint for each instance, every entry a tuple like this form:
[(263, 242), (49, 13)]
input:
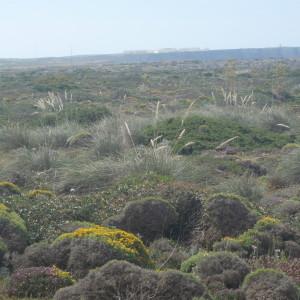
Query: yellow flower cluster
[(10, 186), (267, 220), (121, 240), (62, 274)]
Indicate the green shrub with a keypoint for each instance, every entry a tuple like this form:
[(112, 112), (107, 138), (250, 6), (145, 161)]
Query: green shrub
[(45, 220), (188, 265), (38, 282), (84, 113), (267, 236), (288, 170), (217, 130), (12, 229)]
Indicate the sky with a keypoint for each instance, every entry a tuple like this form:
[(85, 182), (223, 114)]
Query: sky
[(43, 28)]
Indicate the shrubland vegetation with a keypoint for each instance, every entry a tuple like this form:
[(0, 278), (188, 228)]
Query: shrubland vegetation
[(150, 181)]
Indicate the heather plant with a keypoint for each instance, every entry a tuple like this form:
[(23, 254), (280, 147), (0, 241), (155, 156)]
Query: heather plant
[(269, 284), (38, 282), (120, 279)]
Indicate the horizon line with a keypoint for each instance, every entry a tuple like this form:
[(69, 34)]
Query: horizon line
[(146, 51)]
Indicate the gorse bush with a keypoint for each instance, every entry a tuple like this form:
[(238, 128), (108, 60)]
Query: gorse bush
[(88, 248)]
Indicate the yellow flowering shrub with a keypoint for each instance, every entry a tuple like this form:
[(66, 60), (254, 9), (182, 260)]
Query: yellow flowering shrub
[(62, 274), (11, 217), (127, 243), (7, 187), (40, 192), (266, 221)]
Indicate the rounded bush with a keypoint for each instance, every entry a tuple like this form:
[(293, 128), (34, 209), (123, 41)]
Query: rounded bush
[(269, 284), (122, 280), (87, 248), (12, 230), (230, 214), (150, 218), (225, 267), (38, 282), (36, 255)]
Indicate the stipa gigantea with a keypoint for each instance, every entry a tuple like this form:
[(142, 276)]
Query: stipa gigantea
[(53, 102), (222, 145), (131, 139), (187, 112)]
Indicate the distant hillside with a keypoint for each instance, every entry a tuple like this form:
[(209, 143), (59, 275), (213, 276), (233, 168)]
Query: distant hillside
[(205, 55)]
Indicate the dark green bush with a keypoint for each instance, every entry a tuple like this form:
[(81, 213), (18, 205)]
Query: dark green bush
[(151, 218), (230, 214)]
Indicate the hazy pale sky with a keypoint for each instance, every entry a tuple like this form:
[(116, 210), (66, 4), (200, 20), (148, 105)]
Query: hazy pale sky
[(36, 28)]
